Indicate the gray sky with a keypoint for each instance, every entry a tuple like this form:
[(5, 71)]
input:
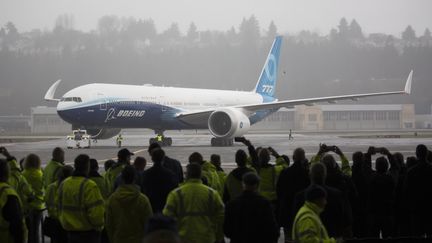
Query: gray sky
[(388, 16)]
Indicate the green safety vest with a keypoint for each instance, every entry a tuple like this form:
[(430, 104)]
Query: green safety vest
[(199, 212), (50, 172), (5, 191), (80, 205), (35, 179)]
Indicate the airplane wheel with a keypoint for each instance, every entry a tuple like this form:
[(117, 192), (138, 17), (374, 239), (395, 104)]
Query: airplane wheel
[(168, 141)]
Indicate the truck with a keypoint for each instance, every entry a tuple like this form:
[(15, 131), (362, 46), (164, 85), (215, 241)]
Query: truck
[(78, 139)]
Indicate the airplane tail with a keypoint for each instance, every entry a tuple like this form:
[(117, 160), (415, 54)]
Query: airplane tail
[(266, 84)]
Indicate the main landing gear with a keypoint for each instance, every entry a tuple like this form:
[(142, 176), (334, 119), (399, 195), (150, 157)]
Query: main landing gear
[(161, 139), (221, 142)]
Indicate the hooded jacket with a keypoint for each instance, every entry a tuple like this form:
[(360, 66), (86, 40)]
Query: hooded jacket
[(127, 213)]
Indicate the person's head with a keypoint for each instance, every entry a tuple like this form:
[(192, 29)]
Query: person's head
[(128, 174), (4, 170), (196, 157), (152, 146), (161, 229), (94, 166), (193, 171), (32, 161), (264, 156), (108, 164), (358, 158), (64, 172), (286, 159), (318, 174), (58, 154), (316, 195), (381, 165), (241, 158), (140, 163), (250, 181), (82, 164), (157, 155), (124, 156), (215, 159), (399, 158), (330, 163), (421, 152), (411, 162), (299, 155)]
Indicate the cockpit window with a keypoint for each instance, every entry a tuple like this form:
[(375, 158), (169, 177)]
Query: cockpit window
[(75, 99)]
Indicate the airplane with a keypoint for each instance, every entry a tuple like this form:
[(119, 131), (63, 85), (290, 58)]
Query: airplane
[(104, 109)]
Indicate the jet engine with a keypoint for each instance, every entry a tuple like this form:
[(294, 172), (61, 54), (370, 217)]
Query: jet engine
[(103, 133), (228, 123)]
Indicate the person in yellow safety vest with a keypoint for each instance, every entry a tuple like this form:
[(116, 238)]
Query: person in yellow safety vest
[(98, 179), (159, 138), (34, 175), (19, 182), (307, 226), (54, 165), (269, 175), (198, 209), (119, 140), (12, 226), (215, 160), (209, 172), (124, 158), (51, 198), (80, 204), (233, 184), (128, 210), (323, 149)]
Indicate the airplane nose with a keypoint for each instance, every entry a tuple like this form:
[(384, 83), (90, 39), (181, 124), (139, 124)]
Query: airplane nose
[(68, 115)]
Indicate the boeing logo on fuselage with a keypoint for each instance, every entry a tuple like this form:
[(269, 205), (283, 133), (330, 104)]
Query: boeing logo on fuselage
[(130, 113)]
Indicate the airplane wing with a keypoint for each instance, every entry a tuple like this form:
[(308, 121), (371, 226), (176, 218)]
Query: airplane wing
[(199, 117)]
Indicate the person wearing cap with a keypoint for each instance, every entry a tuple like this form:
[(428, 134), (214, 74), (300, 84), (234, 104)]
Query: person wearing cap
[(307, 225), (250, 217), (80, 204), (124, 158), (198, 209)]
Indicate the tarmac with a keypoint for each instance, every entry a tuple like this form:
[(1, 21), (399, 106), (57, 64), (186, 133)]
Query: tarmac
[(184, 143)]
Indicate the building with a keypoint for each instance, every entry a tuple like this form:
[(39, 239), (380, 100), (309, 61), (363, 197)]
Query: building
[(17, 125), (341, 117), (45, 120)]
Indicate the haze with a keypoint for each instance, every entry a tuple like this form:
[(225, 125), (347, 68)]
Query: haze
[(388, 16)]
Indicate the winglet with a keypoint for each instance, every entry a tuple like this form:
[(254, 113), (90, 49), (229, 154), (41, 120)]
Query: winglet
[(49, 96), (408, 83)]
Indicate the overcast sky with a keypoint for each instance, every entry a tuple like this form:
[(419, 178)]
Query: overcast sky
[(388, 16)]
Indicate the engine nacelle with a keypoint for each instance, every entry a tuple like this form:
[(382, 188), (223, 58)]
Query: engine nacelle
[(228, 123), (103, 133)]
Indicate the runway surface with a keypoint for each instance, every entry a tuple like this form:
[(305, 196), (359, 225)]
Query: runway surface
[(186, 143)]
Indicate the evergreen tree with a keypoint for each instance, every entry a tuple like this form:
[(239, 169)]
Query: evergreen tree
[(409, 34), (343, 29), (192, 33), (355, 31), (272, 30)]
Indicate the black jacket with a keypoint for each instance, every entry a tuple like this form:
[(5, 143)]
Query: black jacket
[(291, 181), (157, 182), (175, 167), (249, 218), (418, 190), (381, 195)]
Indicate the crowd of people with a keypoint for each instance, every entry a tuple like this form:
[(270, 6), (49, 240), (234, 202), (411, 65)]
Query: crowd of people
[(316, 200)]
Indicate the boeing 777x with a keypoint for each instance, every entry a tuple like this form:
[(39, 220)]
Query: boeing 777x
[(104, 109)]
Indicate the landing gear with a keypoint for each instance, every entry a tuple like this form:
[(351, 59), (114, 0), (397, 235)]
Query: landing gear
[(161, 139), (222, 142)]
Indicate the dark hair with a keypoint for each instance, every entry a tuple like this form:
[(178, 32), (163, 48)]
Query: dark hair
[(58, 154), (330, 163), (140, 162), (94, 166), (128, 174), (82, 163), (64, 173), (421, 151), (4, 170), (152, 146), (298, 155), (264, 156), (358, 158), (193, 171), (196, 157), (215, 159), (411, 161), (240, 158), (32, 161), (381, 165), (251, 179), (157, 155), (108, 164), (159, 222), (318, 174), (286, 159), (315, 192)]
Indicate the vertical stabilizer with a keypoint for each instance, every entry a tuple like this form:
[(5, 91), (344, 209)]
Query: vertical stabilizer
[(266, 84)]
